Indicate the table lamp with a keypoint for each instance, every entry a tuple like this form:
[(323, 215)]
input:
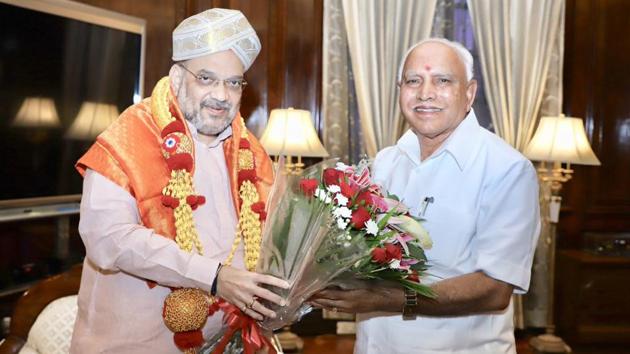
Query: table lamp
[(557, 140), (93, 118), (291, 132), (36, 112)]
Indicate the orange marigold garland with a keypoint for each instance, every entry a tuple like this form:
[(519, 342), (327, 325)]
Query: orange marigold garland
[(185, 310)]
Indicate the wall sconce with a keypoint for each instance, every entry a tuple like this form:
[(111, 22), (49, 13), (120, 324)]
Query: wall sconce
[(93, 118), (291, 132), (557, 140)]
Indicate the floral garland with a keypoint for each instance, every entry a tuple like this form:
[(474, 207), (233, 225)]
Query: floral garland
[(185, 310)]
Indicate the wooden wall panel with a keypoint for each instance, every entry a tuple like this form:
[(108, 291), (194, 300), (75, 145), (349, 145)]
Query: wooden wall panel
[(287, 73), (597, 88)]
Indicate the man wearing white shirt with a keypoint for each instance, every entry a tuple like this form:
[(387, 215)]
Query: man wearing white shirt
[(479, 197)]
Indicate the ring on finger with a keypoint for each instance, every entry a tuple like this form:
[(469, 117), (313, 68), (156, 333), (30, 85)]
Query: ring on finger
[(252, 303)]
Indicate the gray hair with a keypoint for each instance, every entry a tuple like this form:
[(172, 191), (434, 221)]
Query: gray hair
[(463, 54)]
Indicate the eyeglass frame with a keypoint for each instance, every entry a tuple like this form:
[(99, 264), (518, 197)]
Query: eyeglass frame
[(214, 82)]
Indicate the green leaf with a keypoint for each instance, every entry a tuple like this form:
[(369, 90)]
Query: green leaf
[(385, 219), (421, 289), (416, 252)]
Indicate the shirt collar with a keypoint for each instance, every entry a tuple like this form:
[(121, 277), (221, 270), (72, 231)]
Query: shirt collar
[(460, 145), (222, 136)]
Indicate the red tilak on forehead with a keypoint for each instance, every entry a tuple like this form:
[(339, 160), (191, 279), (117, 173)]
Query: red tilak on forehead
[(427, 67)]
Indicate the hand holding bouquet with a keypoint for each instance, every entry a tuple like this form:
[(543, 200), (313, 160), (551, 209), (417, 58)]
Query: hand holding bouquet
[(329, 220)]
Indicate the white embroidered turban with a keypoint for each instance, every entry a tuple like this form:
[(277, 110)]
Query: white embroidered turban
[(213, 31)]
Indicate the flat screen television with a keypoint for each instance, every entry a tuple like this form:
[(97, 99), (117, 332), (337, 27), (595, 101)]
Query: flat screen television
[(66, 71)]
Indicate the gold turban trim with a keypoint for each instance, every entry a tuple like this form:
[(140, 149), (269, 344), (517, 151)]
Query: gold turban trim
[(213, 31)]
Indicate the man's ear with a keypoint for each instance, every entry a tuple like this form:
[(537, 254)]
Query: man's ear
[(176, 75), (471, 92)]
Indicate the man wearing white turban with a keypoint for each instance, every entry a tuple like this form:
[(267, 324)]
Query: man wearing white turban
[(173, 203)]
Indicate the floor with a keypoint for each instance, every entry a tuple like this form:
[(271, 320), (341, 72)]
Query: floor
[(344, 344)]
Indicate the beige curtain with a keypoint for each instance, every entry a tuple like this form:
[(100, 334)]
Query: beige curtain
[(535, 303), (521, 51), (515, 40), (379, 33), (335, 74)]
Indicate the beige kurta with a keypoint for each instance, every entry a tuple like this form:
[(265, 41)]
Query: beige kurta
[(118, 312)]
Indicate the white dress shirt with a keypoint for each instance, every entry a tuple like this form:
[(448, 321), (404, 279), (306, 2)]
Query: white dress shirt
[(480, 202), (118, 312)]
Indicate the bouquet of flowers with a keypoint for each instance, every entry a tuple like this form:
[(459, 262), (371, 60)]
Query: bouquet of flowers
[(300, 245), (303, 244), (333, 219)]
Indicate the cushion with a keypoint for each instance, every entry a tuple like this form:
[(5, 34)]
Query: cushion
[(52, 331)]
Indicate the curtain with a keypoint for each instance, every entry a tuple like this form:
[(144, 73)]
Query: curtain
[(535, 303), (379, 34), (521, 50), (515, 41), (340, 137)]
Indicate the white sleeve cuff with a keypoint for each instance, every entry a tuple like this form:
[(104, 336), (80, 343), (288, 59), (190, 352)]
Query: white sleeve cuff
[(505, 271)]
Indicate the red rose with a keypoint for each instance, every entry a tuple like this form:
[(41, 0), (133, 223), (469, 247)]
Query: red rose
[(364, 198), (359, 218), (308, 186), (347, 190), (332, 176), (393, 252), (379, 255)]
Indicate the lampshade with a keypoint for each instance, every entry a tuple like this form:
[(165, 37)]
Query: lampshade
[(92, 119), (561, 139), (291, 132), (37, 112)]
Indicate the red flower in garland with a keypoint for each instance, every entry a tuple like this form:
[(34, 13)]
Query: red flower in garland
[(359, 218), (308, 186), (333, 176), (188, 340)]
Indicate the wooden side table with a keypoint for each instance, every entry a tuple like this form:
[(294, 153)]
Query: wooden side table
[(593, 298)]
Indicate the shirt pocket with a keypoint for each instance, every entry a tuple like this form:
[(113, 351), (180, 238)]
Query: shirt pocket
[(451, 226)]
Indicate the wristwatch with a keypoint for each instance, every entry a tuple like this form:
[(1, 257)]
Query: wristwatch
[(411, 302)]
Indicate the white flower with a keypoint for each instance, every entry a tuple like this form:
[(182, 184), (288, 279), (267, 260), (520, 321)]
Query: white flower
[(333, 188), (342, 212), (346, 244), (394, 264), (342, 223), (372, 227), (341, 199), (322, 195), (341, 166)]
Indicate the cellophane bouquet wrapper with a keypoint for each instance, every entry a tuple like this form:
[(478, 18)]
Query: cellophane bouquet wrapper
[(303, 245)]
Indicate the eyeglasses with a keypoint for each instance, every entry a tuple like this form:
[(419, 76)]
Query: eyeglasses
[(234, 85)]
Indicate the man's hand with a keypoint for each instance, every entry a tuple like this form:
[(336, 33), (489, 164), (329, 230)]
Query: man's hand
[(241, 288), (360, 300), (466, 294)]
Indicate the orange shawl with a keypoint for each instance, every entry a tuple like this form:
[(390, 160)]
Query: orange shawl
[(129, 154)]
